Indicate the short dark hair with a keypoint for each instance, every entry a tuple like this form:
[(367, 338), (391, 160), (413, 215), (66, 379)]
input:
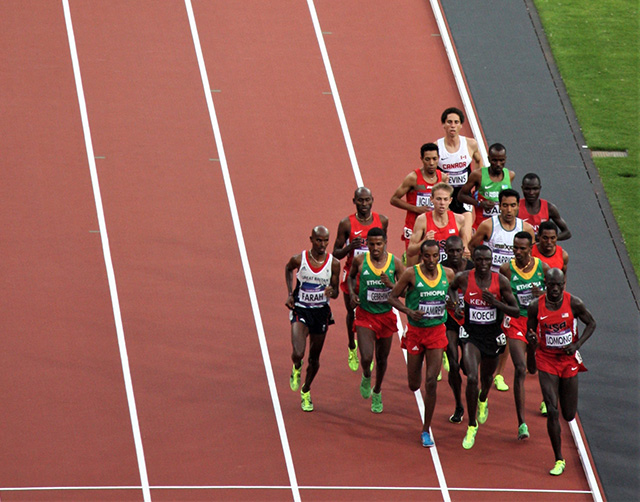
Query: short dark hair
[(523, 235), (508, 192), (482, 247), (454, 239), (452, 109), (498, 147), (547, 225), (377, 232), (427, 244), (531, 176), (428, 147)]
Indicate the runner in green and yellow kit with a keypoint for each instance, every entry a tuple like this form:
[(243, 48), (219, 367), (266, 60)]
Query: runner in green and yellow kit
[(526, 275), (372, 275), (426, 337)]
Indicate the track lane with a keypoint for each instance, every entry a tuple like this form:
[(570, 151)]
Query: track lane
[(185, 308), (64, 413)]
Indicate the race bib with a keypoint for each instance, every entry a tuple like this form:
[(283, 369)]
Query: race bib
[(501, 256), (559, 340), (525, 297), (407, 233), (501, 340), (488, 213), (462, 333), (458, 179), (431, 310), (423, 199), (312, 297), (506, 322), (359, 251), (482, 315), (378, 295)]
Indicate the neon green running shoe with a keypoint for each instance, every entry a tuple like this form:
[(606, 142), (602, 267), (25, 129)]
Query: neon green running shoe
[(439, 376), (543, 409), (470, 438), (353, 358), (483, 411), (376, 402), (305, 401), (523, 432), (365, 387), (500, 384), (558, 468), (445, 362), (294, 379)]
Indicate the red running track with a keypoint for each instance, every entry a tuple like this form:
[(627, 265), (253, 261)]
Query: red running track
[(206, 415)]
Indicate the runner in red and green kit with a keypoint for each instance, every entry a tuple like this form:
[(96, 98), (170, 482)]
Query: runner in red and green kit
[(526, 275), (372, 275), (426, 337)]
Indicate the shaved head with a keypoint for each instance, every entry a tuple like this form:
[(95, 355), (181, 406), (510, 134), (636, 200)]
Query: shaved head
[(362, 192), (554, 274), (320, 230)]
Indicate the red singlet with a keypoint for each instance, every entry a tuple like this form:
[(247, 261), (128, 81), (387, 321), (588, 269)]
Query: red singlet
[(534, 219), (418, 196), (556, 328), (357, 230), (556, 260), (442, 234)]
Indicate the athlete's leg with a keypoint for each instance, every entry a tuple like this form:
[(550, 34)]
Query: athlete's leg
[(350, 318), (455, 380), (550, 384), (366, 345), (502, 362), (487, 368), (518, 350), (316, 342), (414, 370), (434, 363), (568, 396), (383, 347), (471, 359), (299, 332)]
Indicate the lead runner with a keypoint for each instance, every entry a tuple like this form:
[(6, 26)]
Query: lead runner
[(487, 296)]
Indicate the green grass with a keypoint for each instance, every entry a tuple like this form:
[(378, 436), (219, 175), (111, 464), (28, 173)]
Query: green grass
[(596, 45)]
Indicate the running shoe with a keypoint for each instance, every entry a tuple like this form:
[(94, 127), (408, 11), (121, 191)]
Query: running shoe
[(306, 403), (353, 358), (523, 432), (500, 384), (445, 362), (365, 387), (294, 379), (558, 468), (439, 376), (427, 442), (483, 411), (543, 409), (376, 402), (470, 438), (456, 418)]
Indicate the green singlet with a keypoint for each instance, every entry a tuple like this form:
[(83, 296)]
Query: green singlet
[(373, 294), (522, 283), (428, 296)]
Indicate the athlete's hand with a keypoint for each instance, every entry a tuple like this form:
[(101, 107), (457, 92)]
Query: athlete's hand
[(488, 297), (430, 235), (532, 338), (356, 243), (415, 315), (354, 301), (328, 291), (571, 349), (290, 302), (536, 291), (466, 253), (422, 209), (384, 279), (486, 205)]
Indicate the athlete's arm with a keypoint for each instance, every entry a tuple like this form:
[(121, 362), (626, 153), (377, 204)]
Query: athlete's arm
[(508, 304), (482, 234), (333, 289), (464, 195), (384, 221), (417, 238), (505, 269), (352, 278), (408, 184), (512, 175), (532, 321), (563, 229), (581, 312), (472, 146), (406, 279), (293, 264), (459, 282), (464, 230), (529, 229), (340, 248), (565, 259)]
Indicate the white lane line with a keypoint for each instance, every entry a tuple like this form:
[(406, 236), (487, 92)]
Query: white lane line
[(133, 413), (243, 254), (473, 122), (335, 94), (457, 75), (586, 462)]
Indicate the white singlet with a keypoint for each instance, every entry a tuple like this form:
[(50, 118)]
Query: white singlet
[(311, 285), (501, 242), (457, 165)]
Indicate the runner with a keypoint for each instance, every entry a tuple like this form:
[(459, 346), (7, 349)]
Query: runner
[(458, 263), (547, 248), (350, 242), (426, 338), (376, 271), (438, 225), (535, 210), (316, 282), (526, 275), (486, 183), (552, 324), (417, 188), (487, 296)]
